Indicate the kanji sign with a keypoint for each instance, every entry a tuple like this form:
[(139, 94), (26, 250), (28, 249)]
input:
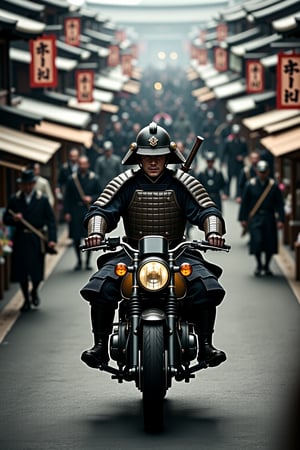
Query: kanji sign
[(114, 56), (43, 71), (255, 77), (72, 26), (222, 31), (221, 59), (288, 81), (126, 61), (84, 85), (202, 56)]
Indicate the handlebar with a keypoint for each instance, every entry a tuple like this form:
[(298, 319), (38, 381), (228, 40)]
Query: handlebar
[(112, 243)]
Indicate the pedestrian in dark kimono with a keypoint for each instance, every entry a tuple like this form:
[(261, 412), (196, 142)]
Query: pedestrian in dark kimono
[(66, 170), (28, 248), (213, 180), (247, 172), (234, 154), (262, 211), (108, 165), (82, 189)]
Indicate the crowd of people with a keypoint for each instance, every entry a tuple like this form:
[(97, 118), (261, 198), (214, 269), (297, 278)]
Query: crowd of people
[(225, 167)]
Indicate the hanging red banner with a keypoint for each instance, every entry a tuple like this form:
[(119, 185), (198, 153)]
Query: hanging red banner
[(288, 81), (72, 28), (84, 85), (222, 32), (221, 59), (126, 62), (255, 77), (43, 71), (114, 56), (202, 56)]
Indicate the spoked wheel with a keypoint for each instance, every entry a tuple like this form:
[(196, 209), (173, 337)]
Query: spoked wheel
[(153, 377)]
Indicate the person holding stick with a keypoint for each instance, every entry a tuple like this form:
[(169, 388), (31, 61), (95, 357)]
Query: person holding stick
[(29, 212)]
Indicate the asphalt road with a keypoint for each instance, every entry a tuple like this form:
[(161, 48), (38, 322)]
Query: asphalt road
[(51, 401)]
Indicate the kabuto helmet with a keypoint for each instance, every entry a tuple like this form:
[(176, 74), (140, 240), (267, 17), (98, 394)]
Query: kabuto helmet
[(153, 140)]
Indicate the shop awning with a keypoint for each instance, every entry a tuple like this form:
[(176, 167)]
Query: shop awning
[(131, 86), (270, 117), (230, 89), (54, 113), (98, 94), (108, 84), (26, 145), (284, 125), (23, 56), (242, 37), (23, 25), (206, 72), (64, 133), (248, 102), (104, 38), (110, 108), (192, 75), (274, 10), (200, 91), (220, 79), (10, 165), (283, 143), (206, 97), (255, 44), (90, 107), (269, 61), (286, 23)]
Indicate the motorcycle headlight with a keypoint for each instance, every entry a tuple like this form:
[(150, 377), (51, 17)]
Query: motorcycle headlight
[(153, 275)]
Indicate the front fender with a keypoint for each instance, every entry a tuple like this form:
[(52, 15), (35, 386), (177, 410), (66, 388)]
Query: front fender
[(153, 315)]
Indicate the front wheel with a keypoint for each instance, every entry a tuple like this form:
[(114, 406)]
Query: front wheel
[(153, 376)]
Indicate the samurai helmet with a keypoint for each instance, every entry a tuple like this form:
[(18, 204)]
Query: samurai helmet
[(153, 140)]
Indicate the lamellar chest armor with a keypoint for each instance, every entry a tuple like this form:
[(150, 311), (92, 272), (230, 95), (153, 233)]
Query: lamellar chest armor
[(154, 213)]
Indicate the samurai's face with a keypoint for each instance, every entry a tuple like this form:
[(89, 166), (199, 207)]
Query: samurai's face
[(153, 166)]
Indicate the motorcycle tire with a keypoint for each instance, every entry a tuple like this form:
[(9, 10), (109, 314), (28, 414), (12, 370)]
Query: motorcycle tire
[(153, 377)]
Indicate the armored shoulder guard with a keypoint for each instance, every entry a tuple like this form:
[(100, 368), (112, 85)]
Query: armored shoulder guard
[(195, 188), (113, 187)]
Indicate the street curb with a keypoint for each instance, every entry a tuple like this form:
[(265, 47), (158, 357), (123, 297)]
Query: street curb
[(11, 312), (286, 264)]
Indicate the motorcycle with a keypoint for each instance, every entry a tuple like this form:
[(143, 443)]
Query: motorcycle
[(152, 343)]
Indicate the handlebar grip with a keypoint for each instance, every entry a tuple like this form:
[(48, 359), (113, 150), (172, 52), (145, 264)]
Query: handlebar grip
[(225, 246)]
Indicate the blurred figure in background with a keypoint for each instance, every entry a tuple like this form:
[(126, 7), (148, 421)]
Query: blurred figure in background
[(262, 212), (213, 180), (247, 172), (234, 154), (108, 165), (28, 247), (209, 127), (222, 132), (42, 184), (82, 189)]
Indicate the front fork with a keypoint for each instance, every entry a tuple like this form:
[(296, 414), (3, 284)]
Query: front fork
[(134, 315), (172, 317)]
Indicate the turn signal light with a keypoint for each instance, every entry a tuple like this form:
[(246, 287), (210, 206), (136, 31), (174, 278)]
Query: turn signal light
[(185, 269), (121, 269)]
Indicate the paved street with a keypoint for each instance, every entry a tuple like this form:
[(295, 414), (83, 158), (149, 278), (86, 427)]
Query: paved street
[(50, 400)]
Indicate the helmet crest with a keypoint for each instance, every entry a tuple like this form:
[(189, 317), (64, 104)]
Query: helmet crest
[(153, 140)]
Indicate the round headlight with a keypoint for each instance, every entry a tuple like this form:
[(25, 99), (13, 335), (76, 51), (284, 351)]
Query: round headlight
[(153, 275)]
